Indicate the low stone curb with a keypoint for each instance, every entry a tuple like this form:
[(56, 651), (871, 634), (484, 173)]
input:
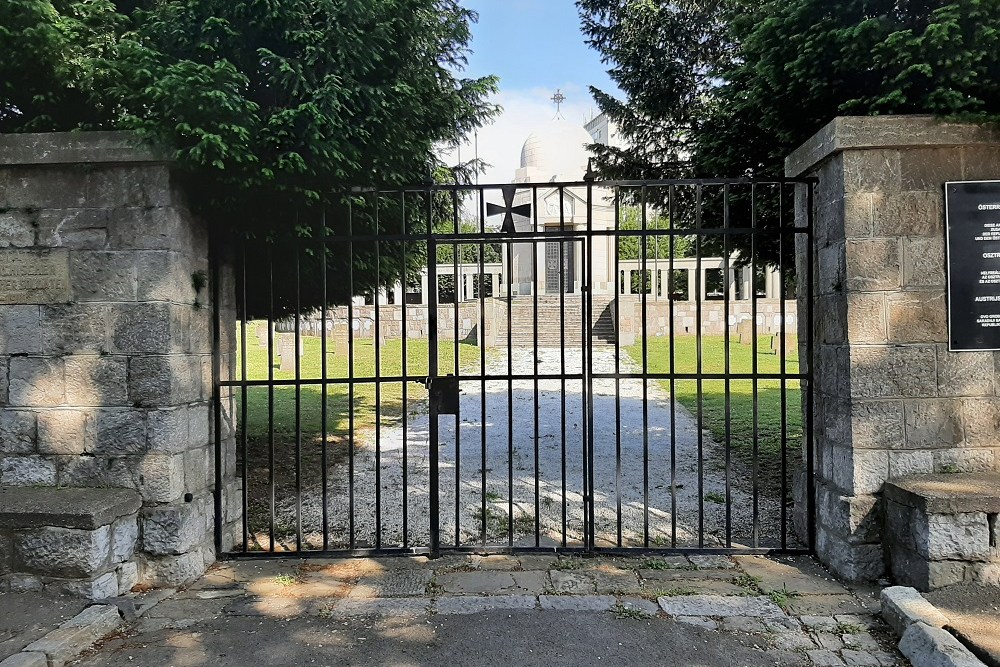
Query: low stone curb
[(903, 606), (72, 638), (924, 641), (933, 647), (69, 640)]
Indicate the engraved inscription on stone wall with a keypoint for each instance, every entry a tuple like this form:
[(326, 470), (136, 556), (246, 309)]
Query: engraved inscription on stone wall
[(34, 276)]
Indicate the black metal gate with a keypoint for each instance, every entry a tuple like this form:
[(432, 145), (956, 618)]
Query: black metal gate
[(646, 394)]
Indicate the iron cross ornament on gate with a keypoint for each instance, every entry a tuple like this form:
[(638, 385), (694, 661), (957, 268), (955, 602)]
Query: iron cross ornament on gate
[(508, 209)]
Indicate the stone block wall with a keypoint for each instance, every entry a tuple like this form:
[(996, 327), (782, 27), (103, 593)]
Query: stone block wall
[(70, 541), (714, 317), (941, 530), (106, 342), (391, 322), (890, 399)]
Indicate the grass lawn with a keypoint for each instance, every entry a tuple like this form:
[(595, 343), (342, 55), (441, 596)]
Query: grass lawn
[(741, 394), (390, 364), (338, 402)]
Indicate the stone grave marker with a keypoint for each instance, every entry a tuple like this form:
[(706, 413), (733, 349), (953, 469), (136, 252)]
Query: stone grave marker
[(286, 351), (745, 329), (791, 343)]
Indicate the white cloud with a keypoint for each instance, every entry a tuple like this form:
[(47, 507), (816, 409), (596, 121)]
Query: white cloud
[(524, 110)]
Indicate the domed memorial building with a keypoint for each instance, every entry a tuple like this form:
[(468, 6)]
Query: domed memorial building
[(557, 153), (548, 195)]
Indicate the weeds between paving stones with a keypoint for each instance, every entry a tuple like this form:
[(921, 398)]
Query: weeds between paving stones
[(782, 597), (749, 583), (569, 564), (286, 580), (623, 611), (848, 629), (654, 564)]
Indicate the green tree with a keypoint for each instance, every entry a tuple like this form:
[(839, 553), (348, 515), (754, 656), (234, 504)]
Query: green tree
[(273, 109), (728, 88), (53, 55), (468, 253), (657, 245)]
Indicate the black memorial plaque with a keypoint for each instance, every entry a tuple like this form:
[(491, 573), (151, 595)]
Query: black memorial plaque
[(972, 216)]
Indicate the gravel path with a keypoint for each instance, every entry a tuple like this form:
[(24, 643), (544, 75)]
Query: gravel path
[(461, 484)]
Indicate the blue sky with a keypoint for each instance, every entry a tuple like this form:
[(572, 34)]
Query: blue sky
[(534, 44), (535, 47)]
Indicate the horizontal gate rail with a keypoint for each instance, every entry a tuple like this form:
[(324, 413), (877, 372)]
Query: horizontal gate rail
[(608, 394)]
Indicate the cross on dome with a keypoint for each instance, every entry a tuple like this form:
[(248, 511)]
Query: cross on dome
[(559, 98)]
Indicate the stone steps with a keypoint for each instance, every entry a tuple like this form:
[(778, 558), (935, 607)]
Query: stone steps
[(560, 322)]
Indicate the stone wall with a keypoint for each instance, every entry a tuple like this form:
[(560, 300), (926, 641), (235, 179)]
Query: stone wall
[(106, 337), (714, 317), (890, 399), (391, 323)]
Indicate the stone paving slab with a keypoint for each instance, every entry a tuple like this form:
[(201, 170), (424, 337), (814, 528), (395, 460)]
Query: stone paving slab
[(503, 563), (801, 575), (575, 583), (688, 575), (691, 587), (828, 605), (393, 584), (76, 635), (409, 592), (713, 562), (577, 602), (640, 605), (493, 583), (478, 605), (385, 607), (614, 583), (32, 659), (29, 616), (272, 607), (711, 605)]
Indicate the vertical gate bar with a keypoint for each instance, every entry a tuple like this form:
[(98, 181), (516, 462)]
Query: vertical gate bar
[(433, 431), (671, 192), (810, 239), (270, 394), (459, 288), (782, 354), (510, 395), (584, 426), (535, 367), (378, 376), (755, 364), (482, 352), (214, 259), (645, 372), (618, 371), (699, 342), (589, 373), (562, 353), (350, 375), (298, 397), (243, 392), (726, 271), (405, 371), (324, 389)]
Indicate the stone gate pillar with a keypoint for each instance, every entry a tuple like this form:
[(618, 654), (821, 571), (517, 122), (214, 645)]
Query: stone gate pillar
[(890, 399), (106, 339)]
